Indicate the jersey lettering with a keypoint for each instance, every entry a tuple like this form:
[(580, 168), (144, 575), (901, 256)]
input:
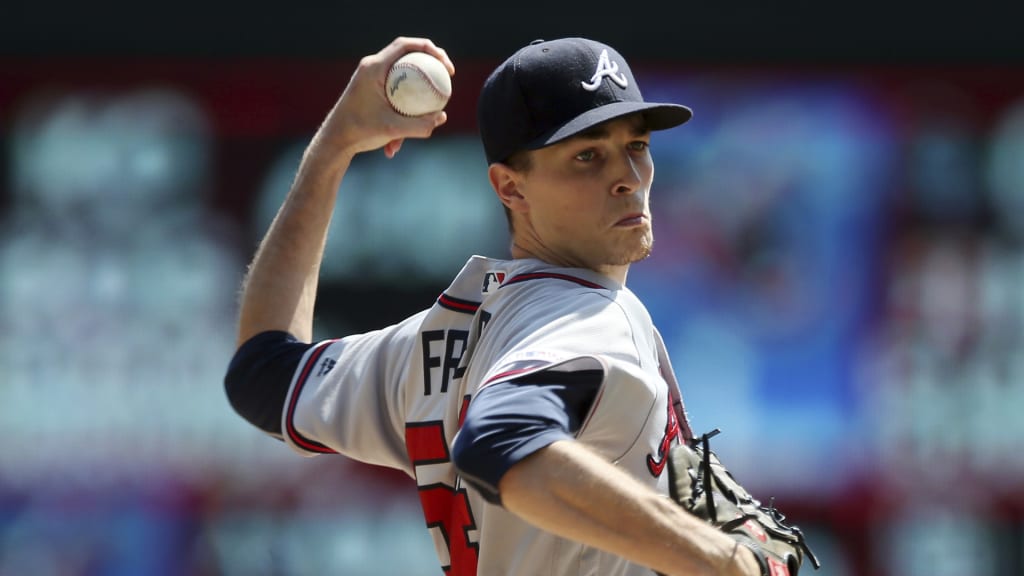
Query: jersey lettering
[(453, 357), (444, 507), (448, 361), (429, 362)]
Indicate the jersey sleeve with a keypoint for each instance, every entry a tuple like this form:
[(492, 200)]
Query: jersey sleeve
[(539, 339), (259, 375), (543, 334), (512, 419), (346, 397)]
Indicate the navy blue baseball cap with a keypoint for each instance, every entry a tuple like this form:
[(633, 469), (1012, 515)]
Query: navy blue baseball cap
[(551, 90)]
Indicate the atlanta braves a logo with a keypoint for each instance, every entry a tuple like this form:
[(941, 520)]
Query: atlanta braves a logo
[(605, 69), (656, 464)]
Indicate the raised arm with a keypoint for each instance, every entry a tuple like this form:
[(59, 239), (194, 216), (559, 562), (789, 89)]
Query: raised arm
[(567, 490), (279, 291)]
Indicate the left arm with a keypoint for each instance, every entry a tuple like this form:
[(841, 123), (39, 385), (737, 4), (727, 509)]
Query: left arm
[(568, 490), (516, 447)]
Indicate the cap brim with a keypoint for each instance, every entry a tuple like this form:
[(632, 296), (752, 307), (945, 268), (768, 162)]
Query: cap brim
[(659, 116)]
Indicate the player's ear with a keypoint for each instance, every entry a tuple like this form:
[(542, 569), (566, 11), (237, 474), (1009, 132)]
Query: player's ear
[(507, 184)]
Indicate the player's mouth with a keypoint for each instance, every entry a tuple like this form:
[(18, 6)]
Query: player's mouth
[(630, 220)]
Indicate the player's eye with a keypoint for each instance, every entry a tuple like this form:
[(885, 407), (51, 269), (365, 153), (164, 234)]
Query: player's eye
[(639, 145), (586, 155)]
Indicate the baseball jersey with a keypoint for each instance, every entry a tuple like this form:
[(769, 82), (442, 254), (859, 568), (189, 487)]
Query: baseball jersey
[(397, 397)]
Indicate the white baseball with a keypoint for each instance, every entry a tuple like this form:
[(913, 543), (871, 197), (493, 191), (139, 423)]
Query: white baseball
[(418, 84)]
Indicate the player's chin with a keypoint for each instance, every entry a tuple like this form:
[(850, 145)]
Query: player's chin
[(644, 245), (634, 251), (642, 254)]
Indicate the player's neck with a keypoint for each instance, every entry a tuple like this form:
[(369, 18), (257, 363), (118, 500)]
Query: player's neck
[(614, 272)]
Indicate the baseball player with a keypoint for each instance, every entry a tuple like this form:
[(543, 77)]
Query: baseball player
[(533, 403)]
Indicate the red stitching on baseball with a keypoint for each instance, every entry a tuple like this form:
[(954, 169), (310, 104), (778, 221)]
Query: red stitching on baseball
[(424, 75)]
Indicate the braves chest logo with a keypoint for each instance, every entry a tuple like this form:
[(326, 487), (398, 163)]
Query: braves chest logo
[(656, 464), (606, 68)]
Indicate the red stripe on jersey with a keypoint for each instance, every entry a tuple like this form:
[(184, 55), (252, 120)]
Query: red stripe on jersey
[(539, 275), (462, 410), (509, 373), (294, 434), (458, 304)]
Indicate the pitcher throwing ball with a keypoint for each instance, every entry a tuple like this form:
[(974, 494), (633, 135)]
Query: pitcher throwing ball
[(534, 402)]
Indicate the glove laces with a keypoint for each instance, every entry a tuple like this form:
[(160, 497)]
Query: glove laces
[(705, 465), (770, 510)]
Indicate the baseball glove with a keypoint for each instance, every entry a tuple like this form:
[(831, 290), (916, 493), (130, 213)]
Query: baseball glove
[(703, 486)]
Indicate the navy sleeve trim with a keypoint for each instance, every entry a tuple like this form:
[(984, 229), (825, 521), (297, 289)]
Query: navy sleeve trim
[(508, 421), (259, 376)]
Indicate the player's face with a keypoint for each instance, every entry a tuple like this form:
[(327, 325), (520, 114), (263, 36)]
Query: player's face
[(587, 197)]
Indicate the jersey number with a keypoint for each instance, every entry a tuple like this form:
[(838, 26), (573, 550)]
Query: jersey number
[(444, 507)]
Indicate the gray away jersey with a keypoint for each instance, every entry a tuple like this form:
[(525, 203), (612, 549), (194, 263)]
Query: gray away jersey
[(396, 397)]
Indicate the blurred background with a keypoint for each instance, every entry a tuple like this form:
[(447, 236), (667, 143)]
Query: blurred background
[(837, 272)]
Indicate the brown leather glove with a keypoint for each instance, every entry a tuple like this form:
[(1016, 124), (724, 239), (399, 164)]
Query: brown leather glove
[(702, 486)]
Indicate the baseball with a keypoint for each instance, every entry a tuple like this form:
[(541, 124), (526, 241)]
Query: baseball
[(418, 84)]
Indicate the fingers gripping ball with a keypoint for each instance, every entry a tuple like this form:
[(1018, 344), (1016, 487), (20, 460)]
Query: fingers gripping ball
[(418, 84)]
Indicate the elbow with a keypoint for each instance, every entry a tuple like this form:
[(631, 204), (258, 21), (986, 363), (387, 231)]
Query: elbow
[(258, 378), (234, 388), (239, 392)]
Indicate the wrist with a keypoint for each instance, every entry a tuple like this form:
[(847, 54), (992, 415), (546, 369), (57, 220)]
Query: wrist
[(324, 162), (329, 153)]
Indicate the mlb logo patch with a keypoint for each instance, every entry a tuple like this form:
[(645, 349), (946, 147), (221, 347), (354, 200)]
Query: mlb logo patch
[(492, 281)]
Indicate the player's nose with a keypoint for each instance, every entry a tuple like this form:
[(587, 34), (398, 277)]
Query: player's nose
[(629, 174)]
